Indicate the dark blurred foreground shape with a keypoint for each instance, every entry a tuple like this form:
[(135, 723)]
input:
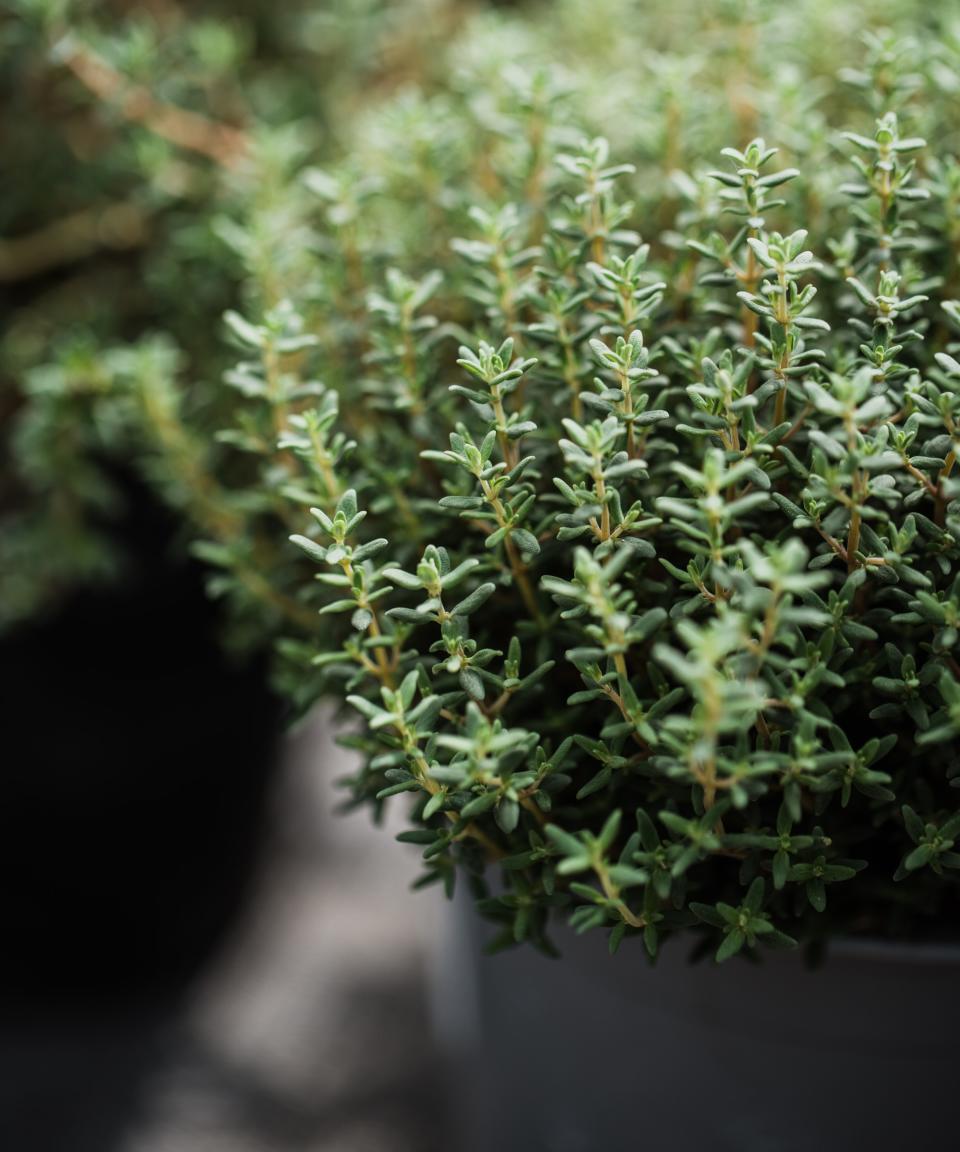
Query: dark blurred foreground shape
[(152, 998), (135, 758), (136, 755)]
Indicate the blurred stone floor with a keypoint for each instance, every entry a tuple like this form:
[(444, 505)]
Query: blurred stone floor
[(308, 1033)]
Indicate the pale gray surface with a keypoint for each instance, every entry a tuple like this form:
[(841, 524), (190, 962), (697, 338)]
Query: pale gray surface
[(309, 1033)]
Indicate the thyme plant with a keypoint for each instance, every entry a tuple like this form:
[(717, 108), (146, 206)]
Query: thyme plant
[(619, 465), (667, 637)]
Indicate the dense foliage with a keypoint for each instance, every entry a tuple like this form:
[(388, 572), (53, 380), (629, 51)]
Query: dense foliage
[(630, 444), (151, 151)]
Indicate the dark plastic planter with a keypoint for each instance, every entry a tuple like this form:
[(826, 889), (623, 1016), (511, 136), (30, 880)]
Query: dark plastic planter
[(594, 1053), (135, 760)]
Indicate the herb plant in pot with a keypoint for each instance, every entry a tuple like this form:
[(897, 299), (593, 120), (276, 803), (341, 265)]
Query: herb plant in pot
[(637, 546), (660, 642)]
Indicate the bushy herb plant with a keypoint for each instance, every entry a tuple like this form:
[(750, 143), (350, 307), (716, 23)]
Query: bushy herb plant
[(629, 442)]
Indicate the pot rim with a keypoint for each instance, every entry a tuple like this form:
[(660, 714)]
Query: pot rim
[(893, 951)]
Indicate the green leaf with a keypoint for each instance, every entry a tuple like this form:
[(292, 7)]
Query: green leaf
[(564, 841), (475, 600), (919, 857), (507, 815), (434, 805), (404, 579), (361, 619), (731, 945), (471, 683), (314, 550), (525, 541), (608, 834), (478, 805)]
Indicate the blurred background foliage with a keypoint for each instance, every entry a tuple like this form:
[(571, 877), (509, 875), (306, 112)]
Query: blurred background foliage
[(167, 162), (121, 248)]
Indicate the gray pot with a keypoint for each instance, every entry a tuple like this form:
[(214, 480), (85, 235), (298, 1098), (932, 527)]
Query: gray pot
[(594, 1053)]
